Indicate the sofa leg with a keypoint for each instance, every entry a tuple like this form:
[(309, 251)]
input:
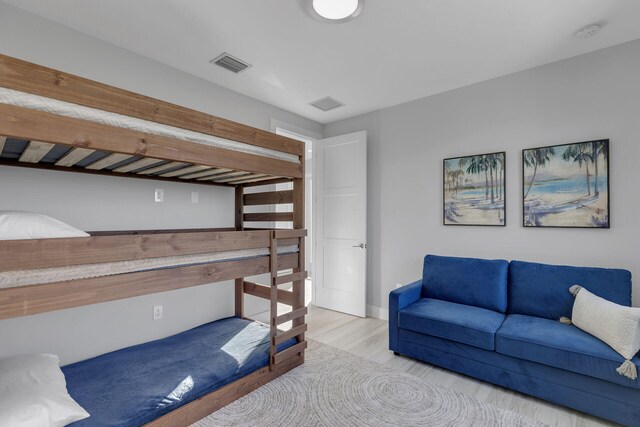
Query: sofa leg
[(395, 353)]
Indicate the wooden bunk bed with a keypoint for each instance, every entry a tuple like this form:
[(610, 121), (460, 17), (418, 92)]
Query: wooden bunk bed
[(145, 138)]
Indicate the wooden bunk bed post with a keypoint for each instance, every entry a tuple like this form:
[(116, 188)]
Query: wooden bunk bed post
[(239, 208), (273, 307), (298, 223), (239, 284)]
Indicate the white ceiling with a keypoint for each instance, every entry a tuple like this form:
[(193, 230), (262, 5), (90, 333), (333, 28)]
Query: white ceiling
[(396, 51)]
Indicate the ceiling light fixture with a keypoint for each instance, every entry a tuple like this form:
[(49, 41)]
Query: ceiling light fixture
[(335, 11)]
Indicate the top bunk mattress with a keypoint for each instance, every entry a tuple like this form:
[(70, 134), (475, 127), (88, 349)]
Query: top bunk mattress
[(67, 109), (139, 384), (16, 278)]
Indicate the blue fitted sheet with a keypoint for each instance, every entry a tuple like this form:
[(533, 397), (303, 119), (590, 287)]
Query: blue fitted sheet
[(135, 385)]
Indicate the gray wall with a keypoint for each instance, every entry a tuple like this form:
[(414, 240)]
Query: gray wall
[(106, 203), (583, 98)]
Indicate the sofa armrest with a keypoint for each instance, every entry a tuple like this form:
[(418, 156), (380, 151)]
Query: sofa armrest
[(399, 299)]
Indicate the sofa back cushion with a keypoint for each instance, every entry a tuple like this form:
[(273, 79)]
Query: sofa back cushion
[(542, 290), (471, 281)]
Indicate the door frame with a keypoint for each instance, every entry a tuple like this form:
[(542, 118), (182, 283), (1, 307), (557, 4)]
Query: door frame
[(314, 139)]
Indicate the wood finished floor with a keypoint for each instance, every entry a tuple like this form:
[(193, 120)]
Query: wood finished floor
[(368, 338)]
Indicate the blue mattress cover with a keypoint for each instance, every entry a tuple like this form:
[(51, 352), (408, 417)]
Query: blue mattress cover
[(138, 384)]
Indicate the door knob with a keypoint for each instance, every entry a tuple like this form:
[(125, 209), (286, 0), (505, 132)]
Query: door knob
[(361, 246)]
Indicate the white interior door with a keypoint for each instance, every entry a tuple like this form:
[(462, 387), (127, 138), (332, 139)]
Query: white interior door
[(341, 224)]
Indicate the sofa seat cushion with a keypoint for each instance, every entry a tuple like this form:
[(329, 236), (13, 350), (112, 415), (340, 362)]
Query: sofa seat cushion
[(563, 346), (457, 322)]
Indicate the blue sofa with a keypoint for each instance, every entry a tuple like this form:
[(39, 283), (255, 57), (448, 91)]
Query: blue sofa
[(498, 321)]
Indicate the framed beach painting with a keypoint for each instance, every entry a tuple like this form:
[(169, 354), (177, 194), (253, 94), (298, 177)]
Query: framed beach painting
[(474, 190), (566, 185)]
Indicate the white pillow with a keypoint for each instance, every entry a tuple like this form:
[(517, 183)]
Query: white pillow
[(617, 325), (34, 393), (16, 225)]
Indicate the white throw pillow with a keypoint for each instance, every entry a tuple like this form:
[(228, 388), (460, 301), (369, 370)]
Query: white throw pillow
[(34, 393), (16, 225), (617, 325)]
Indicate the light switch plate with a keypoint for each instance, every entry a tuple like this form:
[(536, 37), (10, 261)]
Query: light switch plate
[(159, 195), (194, 197), (157, 312)]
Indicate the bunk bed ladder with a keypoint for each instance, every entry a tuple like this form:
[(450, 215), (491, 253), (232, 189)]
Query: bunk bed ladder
[(299, 310), (272, 292)]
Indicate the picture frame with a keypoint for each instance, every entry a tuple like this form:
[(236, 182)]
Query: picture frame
[(474, 190), (564, 185)]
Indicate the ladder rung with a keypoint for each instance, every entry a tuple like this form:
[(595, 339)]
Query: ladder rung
[(295, 314), (269, 216), (268, 198), (286, 234), (288, 242), (289, 353), (293, 332), (288, 278)]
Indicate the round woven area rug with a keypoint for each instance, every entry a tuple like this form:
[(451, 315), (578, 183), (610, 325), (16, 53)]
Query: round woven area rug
[(336, 388)]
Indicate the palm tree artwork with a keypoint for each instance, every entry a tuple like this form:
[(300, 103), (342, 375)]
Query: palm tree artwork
[(535, 159), (566, 185), (473, 190), (582, 154)]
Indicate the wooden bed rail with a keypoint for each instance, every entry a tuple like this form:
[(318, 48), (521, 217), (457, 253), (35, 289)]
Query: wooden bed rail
[(198, 409), (33, 299), (32, 125), (46, 253), (133, 151), (38, 80)]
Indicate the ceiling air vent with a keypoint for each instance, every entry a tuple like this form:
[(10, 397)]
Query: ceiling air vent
[(230, 63), (327, 103)]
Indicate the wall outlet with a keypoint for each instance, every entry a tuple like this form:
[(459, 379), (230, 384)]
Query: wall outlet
[(194, 197), (159, 195), (157, 312), (399, 285)]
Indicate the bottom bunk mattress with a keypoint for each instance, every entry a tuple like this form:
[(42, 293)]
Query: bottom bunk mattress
[(135, 385)]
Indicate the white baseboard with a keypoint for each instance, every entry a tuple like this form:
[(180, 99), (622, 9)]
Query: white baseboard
[(372, 311), (378, 312)]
